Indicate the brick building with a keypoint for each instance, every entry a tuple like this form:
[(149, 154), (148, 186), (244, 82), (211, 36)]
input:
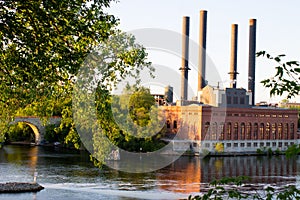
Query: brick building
[(238, 129)]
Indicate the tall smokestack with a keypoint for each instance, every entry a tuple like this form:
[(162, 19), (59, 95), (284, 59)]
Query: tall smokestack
[(233, 61), (202, 50), (185, 57), (252, 51)]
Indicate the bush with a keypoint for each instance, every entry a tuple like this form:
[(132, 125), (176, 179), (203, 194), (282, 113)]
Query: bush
[(219, 192)]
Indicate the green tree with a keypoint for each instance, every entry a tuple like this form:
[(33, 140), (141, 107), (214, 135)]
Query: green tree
[(43, 45), (141, 122), (45, 42), (286, 79)]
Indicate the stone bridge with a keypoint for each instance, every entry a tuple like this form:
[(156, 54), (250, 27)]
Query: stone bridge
[(37, 125)]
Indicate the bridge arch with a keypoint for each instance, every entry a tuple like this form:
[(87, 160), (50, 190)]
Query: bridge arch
[(37, 126), (36, 131)]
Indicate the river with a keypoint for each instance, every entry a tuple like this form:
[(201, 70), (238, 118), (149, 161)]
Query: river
[(69, 175)]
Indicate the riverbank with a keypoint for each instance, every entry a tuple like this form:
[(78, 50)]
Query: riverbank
[(16, 187)]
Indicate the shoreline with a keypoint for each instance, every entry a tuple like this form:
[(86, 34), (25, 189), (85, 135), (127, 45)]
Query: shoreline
[(19, 187)]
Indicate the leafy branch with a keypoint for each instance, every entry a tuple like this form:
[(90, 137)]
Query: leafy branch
[(219, 191), (287, 77)]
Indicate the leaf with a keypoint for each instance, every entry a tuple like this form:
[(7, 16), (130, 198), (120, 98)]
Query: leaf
[(297, 70)]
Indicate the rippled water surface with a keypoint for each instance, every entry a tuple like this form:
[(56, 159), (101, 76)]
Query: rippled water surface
[(70, 175)]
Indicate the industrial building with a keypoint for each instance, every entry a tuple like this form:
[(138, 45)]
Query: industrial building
[(228, 116)]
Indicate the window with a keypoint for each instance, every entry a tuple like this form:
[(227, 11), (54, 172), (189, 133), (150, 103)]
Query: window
[(292, 131), (261, 144), (286, 144), (168, 124), (228, 144), (207, 145), (175, 124), (280, 131), (274, 144), (267, 131), (228, 131), (221, 131), (242, 100), (286, 130), (274, 131), (235, 100), (249, 144), (206, 130), (214, 131), (242, 131), (235, 131), (255, 144), (261, 131), (255, 131), (235, 144), (242, 144), (248, 131), (228, 99)]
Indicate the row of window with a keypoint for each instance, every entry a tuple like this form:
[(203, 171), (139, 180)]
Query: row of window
[(241, 115), (249, 131), (254, 144), (235, 100), (245, 131)]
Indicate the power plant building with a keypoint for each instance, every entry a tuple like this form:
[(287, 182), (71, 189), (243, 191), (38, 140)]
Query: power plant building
[(228, 116)]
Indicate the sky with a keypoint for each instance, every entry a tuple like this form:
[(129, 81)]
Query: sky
[(278, 32)]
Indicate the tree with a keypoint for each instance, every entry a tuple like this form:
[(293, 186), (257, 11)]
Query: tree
[(219, 147), (286, 79), (43, 45), (44, 42)]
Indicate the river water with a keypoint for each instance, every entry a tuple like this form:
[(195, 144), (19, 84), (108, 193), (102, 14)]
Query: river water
[(70, 175)]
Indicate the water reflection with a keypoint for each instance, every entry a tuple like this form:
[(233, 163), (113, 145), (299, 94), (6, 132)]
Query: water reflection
[(75, 173), (192, 174)]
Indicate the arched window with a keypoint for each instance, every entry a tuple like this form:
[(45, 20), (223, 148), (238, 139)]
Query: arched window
[(221, 131), (168, 124), (228, 131), (255, 131), (242, 131), (274, 131), (286, 130), (206, 130), (175, 124), (248, 131), (267, 136), (235, 131), (280, 131), (292, 132), (261, 131), (214, 131)]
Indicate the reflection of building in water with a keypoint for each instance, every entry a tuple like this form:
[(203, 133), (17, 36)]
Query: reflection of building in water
[(262, 169), (228, 116), (192, 174), (186, 174)]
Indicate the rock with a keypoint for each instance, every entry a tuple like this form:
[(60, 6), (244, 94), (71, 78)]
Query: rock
[(15, 187)]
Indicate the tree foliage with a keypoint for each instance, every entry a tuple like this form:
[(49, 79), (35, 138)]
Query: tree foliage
[(232, 188), (44, 43), (287, 77)]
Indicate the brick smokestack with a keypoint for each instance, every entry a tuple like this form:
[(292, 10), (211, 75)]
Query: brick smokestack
[(202, 50), (185, 57), (233, 60), (252, 51)]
